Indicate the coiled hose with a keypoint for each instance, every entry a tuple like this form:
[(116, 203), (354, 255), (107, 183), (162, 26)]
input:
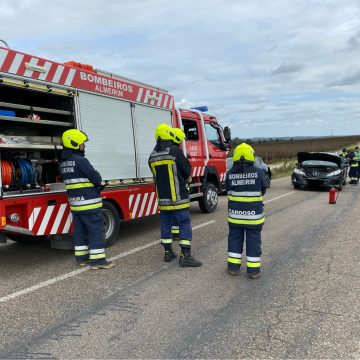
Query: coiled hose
[(7, 172), (27, 171)]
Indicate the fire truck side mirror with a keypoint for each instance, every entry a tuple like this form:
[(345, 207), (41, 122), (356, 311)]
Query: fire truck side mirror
[(227, 134)]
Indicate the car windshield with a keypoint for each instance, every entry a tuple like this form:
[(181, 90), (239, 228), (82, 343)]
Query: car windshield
[(258, 162), (318, 163)]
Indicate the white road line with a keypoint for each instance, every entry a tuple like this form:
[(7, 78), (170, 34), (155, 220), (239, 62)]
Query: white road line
[(79, 271), (279, 197)]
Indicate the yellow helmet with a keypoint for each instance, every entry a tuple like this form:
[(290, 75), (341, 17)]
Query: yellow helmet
[(244, 152), (179, 135), (164, 132), (73, 138)]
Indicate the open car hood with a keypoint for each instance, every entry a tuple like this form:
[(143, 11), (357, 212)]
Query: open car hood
[(303, 156)]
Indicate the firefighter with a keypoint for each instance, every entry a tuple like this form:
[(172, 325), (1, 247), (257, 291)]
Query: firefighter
[(179, 136), (357, 154), (245, 185), (83, 185), (343, 153), (171, 169), (354, 166)]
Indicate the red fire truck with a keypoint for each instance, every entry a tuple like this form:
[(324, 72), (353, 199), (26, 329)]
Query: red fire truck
[(40, 99)]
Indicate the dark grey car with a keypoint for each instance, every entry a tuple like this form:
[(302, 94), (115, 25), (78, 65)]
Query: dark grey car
[(319, 169), (258, 163)]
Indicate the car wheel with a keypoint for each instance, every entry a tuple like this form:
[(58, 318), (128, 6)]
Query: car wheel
[(111, 223), (267, 180), (208, 202)]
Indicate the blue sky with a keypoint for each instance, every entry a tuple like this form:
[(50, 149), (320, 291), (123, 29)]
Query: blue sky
[(264, 68)]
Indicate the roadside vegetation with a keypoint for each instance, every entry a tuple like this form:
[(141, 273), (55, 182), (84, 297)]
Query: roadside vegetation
[(282, 170), (281, 155), (274, 151)]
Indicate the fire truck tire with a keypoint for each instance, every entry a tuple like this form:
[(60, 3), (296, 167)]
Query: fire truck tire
[(26, 238), (111, 223), (208, 202)]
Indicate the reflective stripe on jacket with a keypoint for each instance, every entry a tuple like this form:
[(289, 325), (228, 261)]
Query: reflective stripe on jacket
[(81, 180), (245, 185), (170, 169)]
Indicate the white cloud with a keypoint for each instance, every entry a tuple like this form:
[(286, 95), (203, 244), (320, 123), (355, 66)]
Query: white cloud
[(279, 68)]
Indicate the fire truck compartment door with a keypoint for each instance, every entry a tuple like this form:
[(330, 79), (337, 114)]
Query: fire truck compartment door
[(146, 120), (108, 124)]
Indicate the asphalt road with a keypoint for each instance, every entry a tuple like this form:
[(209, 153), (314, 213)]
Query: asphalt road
[(305, 306)]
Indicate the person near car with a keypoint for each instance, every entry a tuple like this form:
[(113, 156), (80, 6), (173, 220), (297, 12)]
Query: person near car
[(171, 170), (83, 186), (245, 185), (344, 156), (354, 167), (178, 138), (357, 154)]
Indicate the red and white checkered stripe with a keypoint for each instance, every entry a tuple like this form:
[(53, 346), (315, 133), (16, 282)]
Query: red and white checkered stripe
[(198, 171), (155, 98), (14, 63), (50, 220), (143, 205)]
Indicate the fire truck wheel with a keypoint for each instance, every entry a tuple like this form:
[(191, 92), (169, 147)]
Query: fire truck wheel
[(209, 200), (111, 223), (26, 238)]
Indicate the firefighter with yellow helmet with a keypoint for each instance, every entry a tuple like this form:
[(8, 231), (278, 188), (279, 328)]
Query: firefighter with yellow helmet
[(171, 170), (83, 186), (245, 185)]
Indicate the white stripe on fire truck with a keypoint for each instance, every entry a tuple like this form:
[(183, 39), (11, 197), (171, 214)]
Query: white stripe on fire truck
[(67, 224), (154, 211), (171, 103), (139, 96), (136, 206), (70, 77), (143, 204), (47, 66), (150, 204), (146, 98), (16, 63), (33, 61), (45, 220), (131, 200), (3, 54), (33, 217), (58, 219), (58, 74), (165, 101), (159, 99)]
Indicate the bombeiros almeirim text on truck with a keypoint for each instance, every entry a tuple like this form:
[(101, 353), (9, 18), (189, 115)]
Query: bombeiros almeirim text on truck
[(40, 99)]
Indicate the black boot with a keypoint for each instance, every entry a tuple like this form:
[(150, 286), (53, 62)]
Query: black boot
[(187, 260), (169, 255)]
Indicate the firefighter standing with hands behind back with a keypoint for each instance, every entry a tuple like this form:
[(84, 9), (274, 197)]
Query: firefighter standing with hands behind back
[(83, 185), (245, 185), (171, 170)]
